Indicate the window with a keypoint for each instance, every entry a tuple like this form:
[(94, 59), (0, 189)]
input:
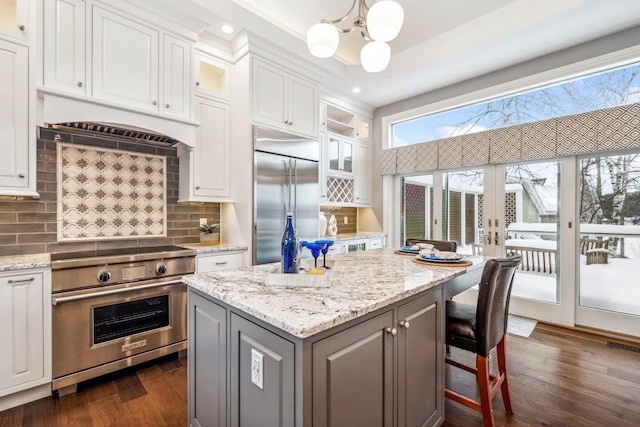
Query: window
[(608, 89)]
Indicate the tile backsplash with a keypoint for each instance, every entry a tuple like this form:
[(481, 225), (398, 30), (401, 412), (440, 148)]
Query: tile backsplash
[(341, 212), (30, 226)]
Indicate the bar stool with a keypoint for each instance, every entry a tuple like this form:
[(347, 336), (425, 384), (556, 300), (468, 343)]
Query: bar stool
[(479, 329)]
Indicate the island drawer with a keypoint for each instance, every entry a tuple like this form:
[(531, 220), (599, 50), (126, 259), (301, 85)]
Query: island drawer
[(216, 262)]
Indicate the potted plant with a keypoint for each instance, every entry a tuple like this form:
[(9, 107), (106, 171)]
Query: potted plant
[(209, 234)]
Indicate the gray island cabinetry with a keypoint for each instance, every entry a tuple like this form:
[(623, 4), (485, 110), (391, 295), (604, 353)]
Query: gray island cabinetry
[(366, 351)]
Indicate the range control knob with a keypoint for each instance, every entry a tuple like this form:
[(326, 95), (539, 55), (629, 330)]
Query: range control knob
[(104, 276), (161, 268)]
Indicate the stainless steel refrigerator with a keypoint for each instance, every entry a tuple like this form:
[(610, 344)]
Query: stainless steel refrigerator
[(285, 180)]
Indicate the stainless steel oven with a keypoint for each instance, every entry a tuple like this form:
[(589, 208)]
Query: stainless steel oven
[(114, 311)]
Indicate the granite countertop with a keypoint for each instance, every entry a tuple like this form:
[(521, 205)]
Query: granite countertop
[(24, 262), (214, 249), (361, 282)]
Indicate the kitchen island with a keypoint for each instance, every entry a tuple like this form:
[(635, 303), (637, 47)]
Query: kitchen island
[(366, 351)]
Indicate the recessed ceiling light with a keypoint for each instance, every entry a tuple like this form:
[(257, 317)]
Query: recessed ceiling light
[(226, 28), (355, 90)]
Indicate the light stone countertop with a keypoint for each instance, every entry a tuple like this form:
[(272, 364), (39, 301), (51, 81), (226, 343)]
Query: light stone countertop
[(213, 249), (24, 262), (361, 282)]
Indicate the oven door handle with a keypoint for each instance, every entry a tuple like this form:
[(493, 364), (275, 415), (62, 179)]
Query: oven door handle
[(60, 300)]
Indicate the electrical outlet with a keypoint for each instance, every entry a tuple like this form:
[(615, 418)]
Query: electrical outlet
[(346, 220), (203, 221), (257, 365)]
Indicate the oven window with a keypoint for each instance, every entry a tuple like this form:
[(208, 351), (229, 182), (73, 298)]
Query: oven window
[(121, 320)]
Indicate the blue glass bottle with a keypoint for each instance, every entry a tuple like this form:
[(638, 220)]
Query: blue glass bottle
[(289, 260)]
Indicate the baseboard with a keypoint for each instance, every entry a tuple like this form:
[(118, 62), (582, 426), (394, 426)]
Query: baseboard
[(25, 396)]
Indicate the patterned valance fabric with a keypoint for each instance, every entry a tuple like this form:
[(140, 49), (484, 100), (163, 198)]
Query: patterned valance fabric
[(602, 130)]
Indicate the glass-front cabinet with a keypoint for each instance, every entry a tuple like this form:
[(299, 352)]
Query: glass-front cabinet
[(340, 155)]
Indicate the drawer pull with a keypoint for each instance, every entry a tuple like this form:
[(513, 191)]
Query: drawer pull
[(222, 263), (31, 279)]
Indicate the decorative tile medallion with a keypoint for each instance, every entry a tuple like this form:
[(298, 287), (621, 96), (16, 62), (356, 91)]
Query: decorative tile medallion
[(110, 194)]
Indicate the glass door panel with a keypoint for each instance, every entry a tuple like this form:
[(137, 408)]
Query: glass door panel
[(462, 209), (531, 220), (418, 207), (609, 235)]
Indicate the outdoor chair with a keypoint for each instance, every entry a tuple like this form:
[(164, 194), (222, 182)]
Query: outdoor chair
[(596, 250), (481, 328)]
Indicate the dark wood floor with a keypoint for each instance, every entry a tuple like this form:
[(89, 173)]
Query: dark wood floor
[(558, 377)]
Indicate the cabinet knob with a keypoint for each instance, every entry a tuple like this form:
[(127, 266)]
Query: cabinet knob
[(392, 331), (21, 175), (286, 122), (197, 83), (290, 123), (155, 102), (21, 27), (167, 106), (404, 324), (197, 187), (79, 84)]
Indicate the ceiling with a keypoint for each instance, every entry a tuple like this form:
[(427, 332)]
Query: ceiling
[(441, 42)]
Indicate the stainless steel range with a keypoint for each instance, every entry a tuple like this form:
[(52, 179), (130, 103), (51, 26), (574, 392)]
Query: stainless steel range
[(116, 308)]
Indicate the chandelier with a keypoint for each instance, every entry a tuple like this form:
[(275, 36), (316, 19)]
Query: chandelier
[(378, 24)]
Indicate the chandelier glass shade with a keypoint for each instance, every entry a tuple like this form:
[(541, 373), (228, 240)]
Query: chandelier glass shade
[(378, 24)]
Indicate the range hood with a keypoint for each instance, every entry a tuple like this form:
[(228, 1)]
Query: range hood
[(109, 129), (101, 118)]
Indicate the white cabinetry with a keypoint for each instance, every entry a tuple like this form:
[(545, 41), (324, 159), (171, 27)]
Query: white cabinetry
[(216, 261), (25, 330), (284, 101), (205, 171), (65, 45), (15, 19), (212, 77), (125, 61), (340, 152), (363, 174), (16, 175), (363, 129), (176, 71)]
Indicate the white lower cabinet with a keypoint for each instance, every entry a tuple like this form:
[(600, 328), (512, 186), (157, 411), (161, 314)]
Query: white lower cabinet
[(25, 330), (218, 261)]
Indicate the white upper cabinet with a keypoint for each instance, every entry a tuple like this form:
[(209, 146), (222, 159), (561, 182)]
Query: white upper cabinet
[(363, 129), (177, 77), (363, 186), (205, 171), (15, 19), (16, 178), (340, 155), (284, 101), (65, 45), (125, 61)]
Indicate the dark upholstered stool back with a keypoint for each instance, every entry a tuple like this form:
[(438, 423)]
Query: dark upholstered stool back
[(441, 245)]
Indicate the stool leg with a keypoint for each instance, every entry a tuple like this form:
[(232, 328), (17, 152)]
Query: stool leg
[(502, 371), (482, 364)]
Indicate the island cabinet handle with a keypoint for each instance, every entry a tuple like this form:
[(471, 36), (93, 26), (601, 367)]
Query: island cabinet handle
[(404, 324), (30, 279), (392, 331), (222, 263)]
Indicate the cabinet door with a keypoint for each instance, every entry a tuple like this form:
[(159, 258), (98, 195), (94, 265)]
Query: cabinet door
[(216, 262), (352, 376), (363, 129), (363, 174), (303, 106), (262, 376), (212, 153), (346, 155), (14, 118), (420, 361), (64, 45), (269, 95), (125, 61), (14, 19), (322, 167), (207, 363), (22, 330), (176, 71)]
